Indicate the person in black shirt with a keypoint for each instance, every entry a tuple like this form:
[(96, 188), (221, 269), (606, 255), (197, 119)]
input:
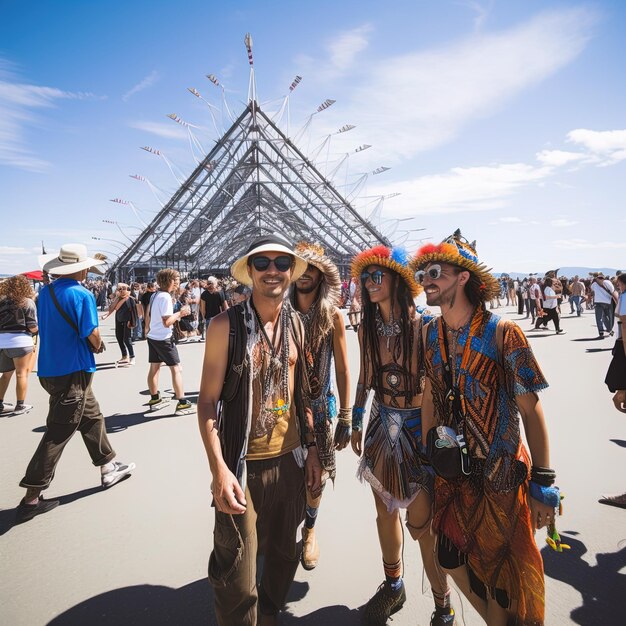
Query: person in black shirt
[(144, 299), (212, 302)]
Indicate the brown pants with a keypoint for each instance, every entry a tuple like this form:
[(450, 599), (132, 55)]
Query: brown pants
[(72, 407), (275, 494)]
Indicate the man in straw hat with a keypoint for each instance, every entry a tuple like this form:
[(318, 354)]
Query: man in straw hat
[(480, 375), (392, 366), (260, 444), (68, 322), (315, 296)]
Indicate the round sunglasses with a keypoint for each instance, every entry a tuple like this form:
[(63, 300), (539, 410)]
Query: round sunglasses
[(433, 272), (376, 277), (282, 263)]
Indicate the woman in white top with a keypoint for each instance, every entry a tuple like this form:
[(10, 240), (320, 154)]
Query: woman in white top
[(18, 325), (550, 311)]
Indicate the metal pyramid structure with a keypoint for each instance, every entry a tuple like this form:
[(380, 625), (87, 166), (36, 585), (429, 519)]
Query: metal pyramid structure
[(254, 181)]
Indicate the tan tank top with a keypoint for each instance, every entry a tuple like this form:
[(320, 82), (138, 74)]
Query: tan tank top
[(277, 438)]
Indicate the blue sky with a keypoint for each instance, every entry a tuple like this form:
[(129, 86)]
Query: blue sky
[(506, 119)]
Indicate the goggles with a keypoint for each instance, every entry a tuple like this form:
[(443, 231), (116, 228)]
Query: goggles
[(433, 272), (282, 263), (376, 277)]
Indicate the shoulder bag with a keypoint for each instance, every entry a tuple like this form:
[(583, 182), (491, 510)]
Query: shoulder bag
[(67, 318)]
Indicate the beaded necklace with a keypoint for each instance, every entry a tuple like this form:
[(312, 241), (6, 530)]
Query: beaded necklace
[(270, 412), (392, 329)]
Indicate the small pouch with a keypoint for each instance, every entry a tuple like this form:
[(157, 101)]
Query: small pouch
[(447, 452)]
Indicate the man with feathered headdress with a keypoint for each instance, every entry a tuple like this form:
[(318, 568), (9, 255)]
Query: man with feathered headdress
[(392, 366), (480, 376), (315, 296)]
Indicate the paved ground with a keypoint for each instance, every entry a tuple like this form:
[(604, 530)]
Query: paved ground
[(137, 554)]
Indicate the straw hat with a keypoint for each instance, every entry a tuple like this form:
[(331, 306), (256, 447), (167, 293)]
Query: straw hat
[(71, 258), (315, 255), (456, 250), (269, 243), (396, 259)]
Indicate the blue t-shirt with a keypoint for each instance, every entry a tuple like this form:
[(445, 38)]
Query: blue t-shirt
[(61, 350)]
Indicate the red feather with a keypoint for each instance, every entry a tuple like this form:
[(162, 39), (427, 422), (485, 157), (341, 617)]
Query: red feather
[(429, 248)]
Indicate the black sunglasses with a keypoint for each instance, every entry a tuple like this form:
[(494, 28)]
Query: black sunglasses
[(282, 263), (376, 277)]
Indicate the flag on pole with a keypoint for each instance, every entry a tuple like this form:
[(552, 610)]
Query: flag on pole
[(248, 41), (213, 79), (345, 128), (327, 103), (295, 83)]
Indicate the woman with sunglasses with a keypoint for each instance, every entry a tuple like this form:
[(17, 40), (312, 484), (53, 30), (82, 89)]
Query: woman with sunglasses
[(392, 366), (125, 308)]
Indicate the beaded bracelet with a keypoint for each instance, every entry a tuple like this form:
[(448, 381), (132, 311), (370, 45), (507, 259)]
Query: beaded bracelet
[(345, 416), (357, 417), (543, 476)]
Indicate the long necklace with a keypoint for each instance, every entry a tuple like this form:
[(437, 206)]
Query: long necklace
[(455, 334), (392, 329), (270, 412)]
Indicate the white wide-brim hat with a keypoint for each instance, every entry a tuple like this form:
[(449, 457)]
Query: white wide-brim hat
[(71, 258), (270, 243)]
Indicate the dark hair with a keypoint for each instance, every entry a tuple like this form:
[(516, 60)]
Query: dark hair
[(621, 278), (473, 288), (371, 344), (547, 281)]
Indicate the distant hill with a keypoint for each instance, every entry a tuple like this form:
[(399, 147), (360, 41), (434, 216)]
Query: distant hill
[(583, 272)]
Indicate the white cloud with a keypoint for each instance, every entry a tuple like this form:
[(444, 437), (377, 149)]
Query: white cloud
[(562, 223), (168, 131), (421, 100), (581, 244), (18, 101), (461, 189), (609, 145), (559, 157), (510, 220), (481, 11), (599, 141), (146, 82), (344, 49), (13, 250)]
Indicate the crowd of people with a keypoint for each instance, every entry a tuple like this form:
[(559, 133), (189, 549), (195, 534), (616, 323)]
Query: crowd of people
[(444, 396)]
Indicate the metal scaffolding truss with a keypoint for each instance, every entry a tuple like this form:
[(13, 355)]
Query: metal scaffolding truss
[(254, 181)]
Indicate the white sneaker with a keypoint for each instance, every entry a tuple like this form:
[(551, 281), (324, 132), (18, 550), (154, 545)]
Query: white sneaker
[(24, 408), (132, 361), (119, 472)]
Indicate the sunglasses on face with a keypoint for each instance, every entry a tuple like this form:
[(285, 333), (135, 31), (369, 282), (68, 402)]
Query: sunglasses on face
[(433, 272), (376, 277), (282, 263)]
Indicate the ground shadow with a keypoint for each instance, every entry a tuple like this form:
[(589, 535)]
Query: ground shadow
[(144, 605), (118, 422), (588, 339), (619, 442), (601, 585), (590, 350), (157, 605)]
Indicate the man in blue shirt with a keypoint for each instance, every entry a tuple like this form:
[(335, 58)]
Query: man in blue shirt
[(68, 319)]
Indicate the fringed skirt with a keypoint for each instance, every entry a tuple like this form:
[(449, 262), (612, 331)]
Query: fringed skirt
[(390, 462), (324, 411)]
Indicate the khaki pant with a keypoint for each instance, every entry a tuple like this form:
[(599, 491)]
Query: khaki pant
[(72, 407), (275, 494)]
